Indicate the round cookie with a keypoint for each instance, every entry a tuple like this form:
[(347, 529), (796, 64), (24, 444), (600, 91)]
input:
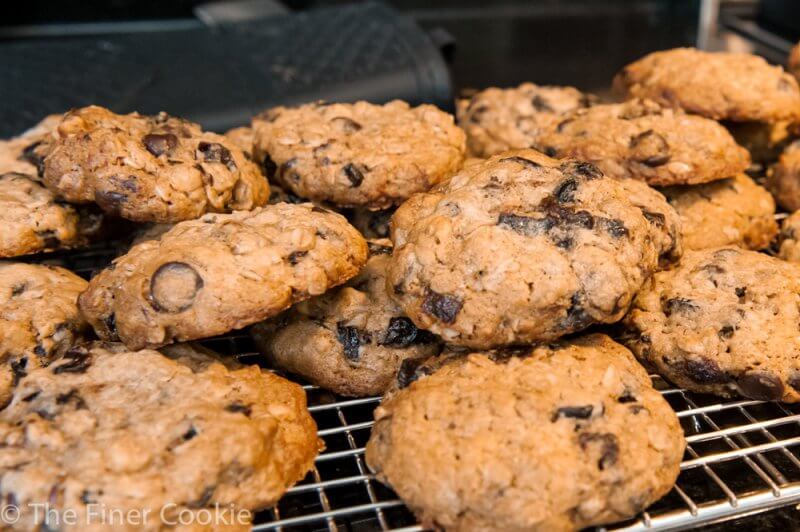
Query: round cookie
[(128, 431), (724, 321), (221, 272), (783, 179), (718, 85), (524, 248), (23, 154), (351, 340), (32, 220), (39, 318), (556, 437), (358, 155), (733, 211), (149, 168), (789, 238), (496, 120), (640, 139)]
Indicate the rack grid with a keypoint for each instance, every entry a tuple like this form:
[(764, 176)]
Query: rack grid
[(742, 457)]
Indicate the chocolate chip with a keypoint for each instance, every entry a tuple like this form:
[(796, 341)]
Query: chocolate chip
[(158, 144), (402, 333), (609, 448), (703, 370), (19, 288), (378, 249), (441, 306), (565, 191), (574, 412), (214, 152), (239, 407), (346, 124), (761, 385), (655, 218), (741, 291), (726, 332), (540, 104), (626, 397), (354, 175), (521, 161), (678, 304), (649, 148), (174, 287), (295, 256), (76, 360), (352, 339), (411, 369), (269, 167)]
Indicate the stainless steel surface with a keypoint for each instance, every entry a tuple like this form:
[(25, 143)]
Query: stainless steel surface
[(743, 456)]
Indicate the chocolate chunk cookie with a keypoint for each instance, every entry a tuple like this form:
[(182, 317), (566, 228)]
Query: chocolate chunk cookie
[(23, 154), (733, 211), (149, 168), (497, 120), (39, 318), (544, 438), (642, 140), (142, 431), (783, 179), (724, 321), (221, 272), (351, 340), (789, 238), (523, 248), (718, 85), (360, 154)]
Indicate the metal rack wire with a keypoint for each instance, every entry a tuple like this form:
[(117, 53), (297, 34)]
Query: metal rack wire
[(743, 456)]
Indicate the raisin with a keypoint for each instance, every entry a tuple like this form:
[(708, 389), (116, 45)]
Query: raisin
[(574, 412), (354, 175), (77, 361), (565, 191), (703, 370), (650, 148), (609, 448), (577, 318), (18, 369), (214, 152), (441, 306), (411, 370), (295, 256), (678, 304), (615, 227), (726, 332), (351, 339), (540, 104), (402, 333), (655, 218), (581, 169), (238, 407), (18, 289), (760, 385)]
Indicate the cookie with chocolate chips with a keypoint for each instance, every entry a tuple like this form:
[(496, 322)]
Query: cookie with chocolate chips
[(783, 179), (719, 85), (39, 318), (554, 437), (149, 168), (221, 272), (733, 211), (141, 431), (497, 120), (522, 248), (724, 321), (789, 238), (351, 340), (642, 140), (358, 155)]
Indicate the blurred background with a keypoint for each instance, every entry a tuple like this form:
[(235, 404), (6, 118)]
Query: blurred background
[(220, 62)]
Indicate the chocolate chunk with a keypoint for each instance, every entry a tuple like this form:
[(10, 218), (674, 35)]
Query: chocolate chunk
[(581, 169), (574, 412), (214, 152), (655, 218), (346, 124), (726, 332), (577, 318), (76, 360), (540, 104), (158, 144), (295, 256), (269, 167), (354, 174), (377, 249), (761, 385), (402, 333), (521, 161), (609, 448), (411, 369), (678, 304), (565, 191), (352, 338), (239, 407), (441, 306), (174, 287), (703, 370), (649, 148), (18, 289)]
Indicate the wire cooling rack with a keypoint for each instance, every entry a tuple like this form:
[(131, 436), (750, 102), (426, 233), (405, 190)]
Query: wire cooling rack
[(741, 458)]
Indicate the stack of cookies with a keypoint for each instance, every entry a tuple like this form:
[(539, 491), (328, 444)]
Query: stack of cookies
[(467, 274)]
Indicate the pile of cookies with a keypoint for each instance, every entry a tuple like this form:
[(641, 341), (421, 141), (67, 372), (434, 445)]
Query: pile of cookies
[(471, 272)]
